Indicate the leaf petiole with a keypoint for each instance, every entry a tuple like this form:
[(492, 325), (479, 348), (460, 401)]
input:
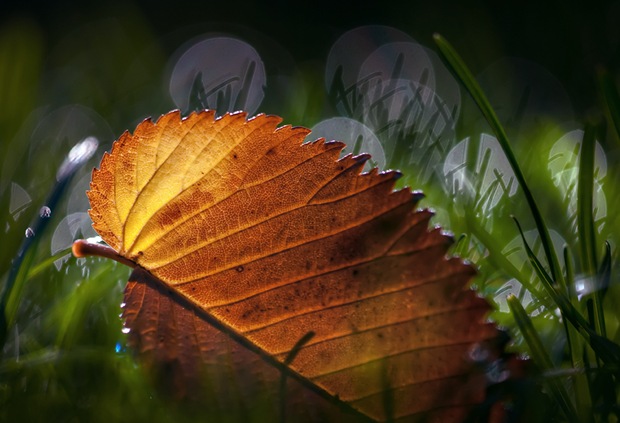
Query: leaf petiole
[(83, 248)]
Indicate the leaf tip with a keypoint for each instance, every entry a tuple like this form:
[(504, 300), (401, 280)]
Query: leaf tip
[(415, 195), (362, 158)]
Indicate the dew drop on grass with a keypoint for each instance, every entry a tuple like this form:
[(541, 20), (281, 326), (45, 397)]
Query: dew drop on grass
[(125, 330), (45, 212), (29, 233)]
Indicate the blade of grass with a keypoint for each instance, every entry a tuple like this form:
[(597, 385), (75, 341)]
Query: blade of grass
[(287, 361), (611, 98), (585, 189), (10, 303), (79, 154), (604, 272), (585, 223), (74, 307), (34, 270), (9, 297), (605, 380), (500, 261), (540, 356), (461, 71), (576, 348), (545, 278), (607, 350)]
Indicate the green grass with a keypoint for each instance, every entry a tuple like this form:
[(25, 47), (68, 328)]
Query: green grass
[(592, 355)]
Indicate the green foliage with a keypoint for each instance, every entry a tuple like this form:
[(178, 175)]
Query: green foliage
[(591, 354)]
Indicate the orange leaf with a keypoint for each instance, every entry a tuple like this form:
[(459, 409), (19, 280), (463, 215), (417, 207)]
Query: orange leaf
[(326, 273)]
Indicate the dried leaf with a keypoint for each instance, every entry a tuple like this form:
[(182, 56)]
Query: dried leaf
[(324, 272)]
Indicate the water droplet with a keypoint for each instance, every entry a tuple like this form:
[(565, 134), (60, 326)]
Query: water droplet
[(496, 372), (29, 233), (118, 347), (479, 353), (45, 212), (126, 330)]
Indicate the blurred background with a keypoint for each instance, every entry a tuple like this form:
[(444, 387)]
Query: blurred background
[(127, 48), (366, 73)]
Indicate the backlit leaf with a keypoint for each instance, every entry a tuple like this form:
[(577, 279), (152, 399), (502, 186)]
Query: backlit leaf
[(322, 271)]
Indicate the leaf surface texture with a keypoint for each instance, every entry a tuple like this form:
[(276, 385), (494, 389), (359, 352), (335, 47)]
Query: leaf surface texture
[(324, 271)]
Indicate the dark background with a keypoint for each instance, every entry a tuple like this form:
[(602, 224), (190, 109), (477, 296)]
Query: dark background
[(569, 38)]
